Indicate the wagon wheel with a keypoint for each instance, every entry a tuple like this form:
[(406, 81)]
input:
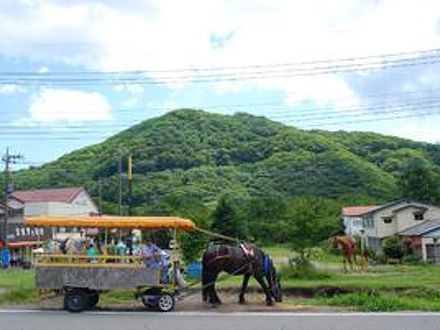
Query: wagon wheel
[(76, 301), (93, 299), (165, 302), (149, 297)]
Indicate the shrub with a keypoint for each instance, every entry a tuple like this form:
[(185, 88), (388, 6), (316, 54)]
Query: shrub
[(412, 259), (302, 268), (393, 247), (379, 258)]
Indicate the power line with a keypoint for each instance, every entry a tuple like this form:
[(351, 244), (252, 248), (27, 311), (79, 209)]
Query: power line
[(234, 76), (256, 66), (428, 111), (369, 110), (418, 114)]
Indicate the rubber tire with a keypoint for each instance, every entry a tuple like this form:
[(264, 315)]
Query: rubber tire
[(165, 302), (93, 299), (151, 292), (76, 301)]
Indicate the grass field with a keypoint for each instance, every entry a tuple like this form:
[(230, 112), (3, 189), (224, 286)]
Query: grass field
[(380, 288), (17, 286)]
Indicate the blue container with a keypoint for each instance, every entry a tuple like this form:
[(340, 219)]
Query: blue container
[(194, 270)]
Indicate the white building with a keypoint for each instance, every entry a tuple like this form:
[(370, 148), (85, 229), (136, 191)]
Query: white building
[(352, 217), (56, 202), (382, 221)]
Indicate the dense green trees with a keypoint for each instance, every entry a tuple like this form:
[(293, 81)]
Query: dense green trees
[(419, 181), (228, 218), (247, 174), (207, 155)]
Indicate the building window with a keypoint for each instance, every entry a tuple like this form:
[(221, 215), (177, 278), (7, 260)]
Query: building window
[(418, 216), (368, 222), (17, 231), (357, 223), (387, 219)]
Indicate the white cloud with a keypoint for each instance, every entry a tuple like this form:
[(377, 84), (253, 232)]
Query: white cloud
[(419, 129), (58, 105), (133, 90), (173, 34), (43, 70), (9, 89)]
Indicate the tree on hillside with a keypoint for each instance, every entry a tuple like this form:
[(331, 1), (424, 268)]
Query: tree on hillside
[(312, 221), (418, 181), (266, 216), (228, 218)]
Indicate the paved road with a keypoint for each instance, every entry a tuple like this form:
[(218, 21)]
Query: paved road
[(119, 320)]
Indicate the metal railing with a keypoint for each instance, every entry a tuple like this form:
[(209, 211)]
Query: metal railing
[(83, 260)]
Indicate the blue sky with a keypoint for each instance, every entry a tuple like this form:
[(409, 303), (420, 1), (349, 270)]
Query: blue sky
[(159, 42)]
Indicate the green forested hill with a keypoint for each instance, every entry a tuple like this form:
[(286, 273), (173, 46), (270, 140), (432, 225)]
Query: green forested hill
[(204, 155)]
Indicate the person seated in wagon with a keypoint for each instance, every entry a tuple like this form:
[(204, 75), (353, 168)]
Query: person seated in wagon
[(155, 258), (150, 254)]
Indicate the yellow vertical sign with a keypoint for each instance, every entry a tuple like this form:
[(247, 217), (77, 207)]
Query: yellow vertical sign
[(130, 168)]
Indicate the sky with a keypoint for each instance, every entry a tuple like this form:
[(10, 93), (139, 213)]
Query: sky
[(73, 73)]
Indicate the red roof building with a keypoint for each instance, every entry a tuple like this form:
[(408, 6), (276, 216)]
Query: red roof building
[(63, 195), (357, 211)]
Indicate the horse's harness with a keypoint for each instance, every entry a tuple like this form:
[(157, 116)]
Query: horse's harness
[(249, 254)]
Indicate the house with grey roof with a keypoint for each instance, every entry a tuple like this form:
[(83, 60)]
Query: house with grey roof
[(381, 221), (424, 240)]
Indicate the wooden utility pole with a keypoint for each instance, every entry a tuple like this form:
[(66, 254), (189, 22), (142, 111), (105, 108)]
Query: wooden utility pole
[(130, 182), (100, 195), (120, 185), (8, 159)]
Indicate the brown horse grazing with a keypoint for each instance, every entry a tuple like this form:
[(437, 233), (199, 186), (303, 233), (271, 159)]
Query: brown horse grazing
[(246, 260), (348, 245)]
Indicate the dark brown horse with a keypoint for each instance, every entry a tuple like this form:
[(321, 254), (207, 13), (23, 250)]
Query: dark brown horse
[(246, 260)]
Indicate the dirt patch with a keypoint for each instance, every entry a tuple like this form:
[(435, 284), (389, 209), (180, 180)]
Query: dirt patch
[(191, 301)]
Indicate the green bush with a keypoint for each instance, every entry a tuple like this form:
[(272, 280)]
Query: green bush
[(393, 247), (412, 259), (379, 258), (302, 268)]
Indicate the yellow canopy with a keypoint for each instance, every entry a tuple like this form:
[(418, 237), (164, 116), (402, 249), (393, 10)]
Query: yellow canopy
[(110, 222)]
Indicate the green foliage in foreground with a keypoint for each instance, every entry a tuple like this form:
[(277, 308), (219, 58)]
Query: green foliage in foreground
[(384, 301), (303, 271), (382, 288), (17, 286)]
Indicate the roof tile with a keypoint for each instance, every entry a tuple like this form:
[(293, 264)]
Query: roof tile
[(65, 195), (353, 211)]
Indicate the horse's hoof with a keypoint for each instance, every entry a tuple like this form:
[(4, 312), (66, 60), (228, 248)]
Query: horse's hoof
[(242, 301), (269, 303)]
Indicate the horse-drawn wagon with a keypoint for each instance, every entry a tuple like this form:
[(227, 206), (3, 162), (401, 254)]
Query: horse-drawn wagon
[(81, 277)]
